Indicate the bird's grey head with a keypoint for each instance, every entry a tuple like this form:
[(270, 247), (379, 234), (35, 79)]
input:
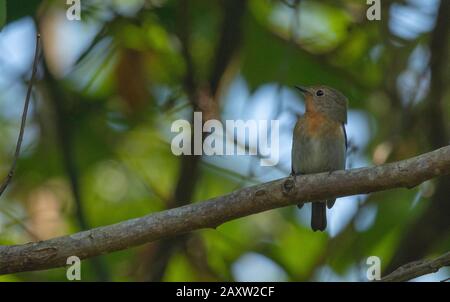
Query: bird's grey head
[(326, 100)]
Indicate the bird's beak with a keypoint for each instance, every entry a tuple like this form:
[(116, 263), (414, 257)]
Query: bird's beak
[(302, 88)]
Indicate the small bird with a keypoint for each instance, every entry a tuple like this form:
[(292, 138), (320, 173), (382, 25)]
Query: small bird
[(320, 141)]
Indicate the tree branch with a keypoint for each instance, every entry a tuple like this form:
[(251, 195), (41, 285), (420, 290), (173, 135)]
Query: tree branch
[(214, 212), (417, 268)]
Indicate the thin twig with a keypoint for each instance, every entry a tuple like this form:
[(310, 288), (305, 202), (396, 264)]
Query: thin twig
[(24, 119)]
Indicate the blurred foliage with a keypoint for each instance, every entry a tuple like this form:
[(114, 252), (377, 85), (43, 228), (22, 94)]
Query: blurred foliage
[(2, 13), (21, 8), (111, 85)]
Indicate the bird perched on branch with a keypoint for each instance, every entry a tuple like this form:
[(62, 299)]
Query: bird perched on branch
[(320, 141)]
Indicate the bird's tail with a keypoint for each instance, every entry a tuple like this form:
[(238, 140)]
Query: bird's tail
[(319, 216)]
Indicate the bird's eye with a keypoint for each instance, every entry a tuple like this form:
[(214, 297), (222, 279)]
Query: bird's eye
[(319, 92)]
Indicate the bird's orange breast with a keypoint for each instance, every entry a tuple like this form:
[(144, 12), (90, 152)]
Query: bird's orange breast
[(318, 125)]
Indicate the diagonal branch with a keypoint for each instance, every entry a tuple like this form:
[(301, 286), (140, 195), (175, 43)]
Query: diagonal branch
[(214, 212), (417, 268)]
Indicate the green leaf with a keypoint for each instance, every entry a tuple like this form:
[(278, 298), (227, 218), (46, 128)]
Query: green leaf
[(2, 13), (268, 58), (21, 8)]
